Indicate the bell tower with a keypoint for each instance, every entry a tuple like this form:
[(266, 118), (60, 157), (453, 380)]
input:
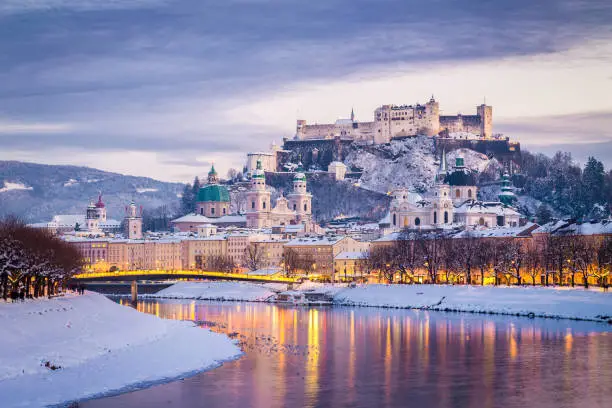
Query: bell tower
[(300, 200), (133, 221), (258, 200)]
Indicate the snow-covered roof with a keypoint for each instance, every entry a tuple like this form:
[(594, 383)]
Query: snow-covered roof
[(315, 241), (201, 219), (498, 232), (485, 207), (351, 255), (574, 228)]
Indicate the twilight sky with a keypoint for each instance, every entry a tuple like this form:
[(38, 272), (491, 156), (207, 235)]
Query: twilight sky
[(161, 88)]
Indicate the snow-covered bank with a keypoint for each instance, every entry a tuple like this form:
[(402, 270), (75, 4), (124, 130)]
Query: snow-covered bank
[(100, 347), (525, 301), (230, 291)]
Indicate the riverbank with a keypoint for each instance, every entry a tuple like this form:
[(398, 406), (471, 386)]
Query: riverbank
[(547, 302), (79, 347)]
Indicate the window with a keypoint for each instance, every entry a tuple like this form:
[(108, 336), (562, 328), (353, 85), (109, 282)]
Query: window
[(212, 211), (201, 210), (253, 204), (294, 206), (470, 193), (481, 221), (435, 217), (305, 207), (446, 217), (457, 193), (223, 211), (394, 220), (264, 204), (417, 221)]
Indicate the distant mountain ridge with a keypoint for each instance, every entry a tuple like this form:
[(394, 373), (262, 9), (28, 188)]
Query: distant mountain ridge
[(37, 192)]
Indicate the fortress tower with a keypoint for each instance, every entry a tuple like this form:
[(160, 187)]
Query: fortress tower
[(485, 113)]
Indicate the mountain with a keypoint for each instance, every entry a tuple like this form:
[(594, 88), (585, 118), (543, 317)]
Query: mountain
[(37, 192)]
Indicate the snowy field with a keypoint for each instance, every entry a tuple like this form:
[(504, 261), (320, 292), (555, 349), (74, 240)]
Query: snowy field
[(100, 348), (541, 302), (230, 291)]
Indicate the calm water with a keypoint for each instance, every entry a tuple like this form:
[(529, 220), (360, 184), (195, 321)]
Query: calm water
[(365, 357)]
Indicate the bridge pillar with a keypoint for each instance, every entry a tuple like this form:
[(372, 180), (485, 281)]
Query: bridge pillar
[(134, 291)]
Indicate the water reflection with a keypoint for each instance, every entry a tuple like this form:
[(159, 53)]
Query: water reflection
[(363, 357)]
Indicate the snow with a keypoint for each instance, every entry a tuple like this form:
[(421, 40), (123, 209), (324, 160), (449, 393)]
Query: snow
[(472, 159), (541, 302), (237, 291), (8, 186), (71, 182), (101, 347), (146, 190)]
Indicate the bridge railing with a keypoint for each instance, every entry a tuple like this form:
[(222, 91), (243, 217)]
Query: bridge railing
[(185, 273)]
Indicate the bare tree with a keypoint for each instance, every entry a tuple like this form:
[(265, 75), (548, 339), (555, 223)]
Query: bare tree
[(534, 262), (603, 260), (431, 249), (406, 255), (382, 259), (254, 256), (221, 263), (482, 257)]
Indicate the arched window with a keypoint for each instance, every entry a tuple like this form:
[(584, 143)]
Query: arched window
[(435, 217), (406, 221), (446, 217), (212, 211), (264, 204), (481, 221), (201, 210), (394, 219), (223, 210), (417, 221), (470, 193), (294, 206), (305, 207), (252, 204), (457, 193)]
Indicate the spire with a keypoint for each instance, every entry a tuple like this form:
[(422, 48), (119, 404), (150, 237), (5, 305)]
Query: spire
[(352, 115), (212, 175), (443, 170)]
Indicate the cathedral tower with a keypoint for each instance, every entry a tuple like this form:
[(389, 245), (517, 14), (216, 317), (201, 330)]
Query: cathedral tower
[(300, 200), (258, 200)]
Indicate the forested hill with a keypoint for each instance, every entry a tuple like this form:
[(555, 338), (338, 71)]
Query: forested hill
[(36, 192)]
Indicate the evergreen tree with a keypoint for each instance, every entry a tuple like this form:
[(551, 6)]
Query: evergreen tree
[(187, 200), (195, 190), (543, 214), (593, 183)]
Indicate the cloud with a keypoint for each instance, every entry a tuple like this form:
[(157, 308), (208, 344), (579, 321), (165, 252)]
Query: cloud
[(200, 80), (19, 128), (26, 6)]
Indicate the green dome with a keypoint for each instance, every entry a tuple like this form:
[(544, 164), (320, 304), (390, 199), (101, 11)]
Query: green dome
[(214, 193), (299, 177)]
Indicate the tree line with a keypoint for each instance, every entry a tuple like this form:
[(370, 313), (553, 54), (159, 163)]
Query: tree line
[(33, 262), (438, 257)]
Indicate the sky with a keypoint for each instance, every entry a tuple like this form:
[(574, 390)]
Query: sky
[(164, 88)]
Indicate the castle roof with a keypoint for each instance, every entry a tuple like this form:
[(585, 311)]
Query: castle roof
[(213, 192)]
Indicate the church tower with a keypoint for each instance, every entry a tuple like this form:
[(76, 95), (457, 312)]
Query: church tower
[(92, 218), (300, 200), (133, 221), (258, 200)]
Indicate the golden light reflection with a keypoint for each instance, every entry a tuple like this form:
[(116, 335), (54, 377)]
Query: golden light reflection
[(513, 346), (312, 362), (569, 341)]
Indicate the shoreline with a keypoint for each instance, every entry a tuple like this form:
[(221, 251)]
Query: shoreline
[(445, 298), (97, 348)]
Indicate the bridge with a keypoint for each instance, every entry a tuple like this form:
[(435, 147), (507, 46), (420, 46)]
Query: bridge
[(155, 275)]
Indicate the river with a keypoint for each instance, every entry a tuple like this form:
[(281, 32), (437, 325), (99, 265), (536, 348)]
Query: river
[(370, 357)]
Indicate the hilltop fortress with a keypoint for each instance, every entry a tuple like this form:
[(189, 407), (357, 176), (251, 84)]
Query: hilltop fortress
[(392, 121)]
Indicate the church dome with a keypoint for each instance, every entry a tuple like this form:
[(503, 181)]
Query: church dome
[(100, 204), (299, 177), (461, 178), (214, 193)]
